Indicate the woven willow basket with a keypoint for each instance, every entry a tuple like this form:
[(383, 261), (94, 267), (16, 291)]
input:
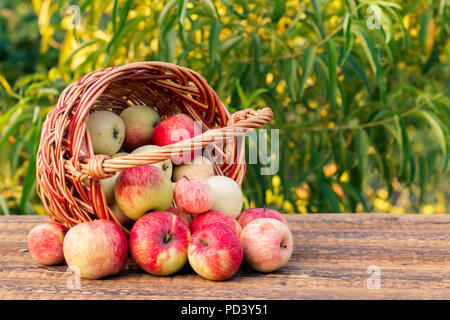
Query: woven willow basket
[(68, 172)]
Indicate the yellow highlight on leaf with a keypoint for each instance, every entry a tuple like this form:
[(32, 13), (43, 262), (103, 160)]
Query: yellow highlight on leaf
[(382, 193), (276, 181)]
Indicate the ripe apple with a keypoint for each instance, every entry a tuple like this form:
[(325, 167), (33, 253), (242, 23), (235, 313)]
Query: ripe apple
[(187, 218), (120, 216), (214, 216), (108, 183), (159, 242), (201, 167), (215, 252), (140, 121), (193, 196), (45, 242), (249, 215), (267, 244), (96, 248), (107, 132), (176, 128), (165, 165), (227, 195), (141, 189)]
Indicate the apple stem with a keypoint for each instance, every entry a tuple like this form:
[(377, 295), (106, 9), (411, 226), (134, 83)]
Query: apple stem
[(203, 242), (264, 208), (167, 237), (186, 177)]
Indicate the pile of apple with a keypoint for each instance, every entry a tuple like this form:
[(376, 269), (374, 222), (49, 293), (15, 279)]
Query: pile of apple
[(176, 210)]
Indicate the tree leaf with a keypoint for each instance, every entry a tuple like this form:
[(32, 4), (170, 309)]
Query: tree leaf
[(278, 10), (361, 146), (307, 64), (332, 74)]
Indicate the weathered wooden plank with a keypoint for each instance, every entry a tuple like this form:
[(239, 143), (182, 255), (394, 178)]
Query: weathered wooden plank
[(331, 257)]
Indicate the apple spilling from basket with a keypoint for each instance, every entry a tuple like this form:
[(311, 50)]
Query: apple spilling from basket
[(176, 213)]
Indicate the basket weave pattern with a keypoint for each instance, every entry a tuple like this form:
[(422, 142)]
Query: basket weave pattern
[(68, 172)]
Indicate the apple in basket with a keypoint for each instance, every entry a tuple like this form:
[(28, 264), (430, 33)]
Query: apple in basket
[(96, 249), (107, 132), (159, 242), (140, 121), (45, 242), (174, 129), (165, 165), (108, 183), (201, 167), (267, 244), (215, 252), (141, 189), (193, 196)]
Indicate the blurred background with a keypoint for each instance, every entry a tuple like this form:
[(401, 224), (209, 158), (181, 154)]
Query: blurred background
[(360, 89)]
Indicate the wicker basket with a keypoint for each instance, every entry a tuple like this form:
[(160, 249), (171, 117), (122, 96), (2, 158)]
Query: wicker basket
[(68, 172)]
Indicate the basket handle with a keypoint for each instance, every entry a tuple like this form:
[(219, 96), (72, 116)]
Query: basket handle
[(101, 166)]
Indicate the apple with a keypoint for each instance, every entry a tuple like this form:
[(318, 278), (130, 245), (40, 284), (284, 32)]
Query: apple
[(165, 165), (193, 196), (267, 244), (174, 129), (120, 216), (108, 183), (140, 121), (159, 242), (45, 243), (215, 252), (141, 189), (107, 132), (249, 215), (214, 216), (187, 218), (96, 249), (201, 167), (227, 195)]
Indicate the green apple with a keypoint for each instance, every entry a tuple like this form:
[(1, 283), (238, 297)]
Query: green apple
[(200, 167), (140, 121), (227, 195), (107, 132), (108, 183)]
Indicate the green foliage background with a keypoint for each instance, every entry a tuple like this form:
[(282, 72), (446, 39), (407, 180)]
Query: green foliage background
[(363, 112)]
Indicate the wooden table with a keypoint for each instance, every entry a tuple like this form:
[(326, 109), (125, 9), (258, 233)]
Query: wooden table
[(336, 256)]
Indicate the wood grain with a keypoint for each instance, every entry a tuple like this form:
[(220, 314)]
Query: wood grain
[(332, 253)]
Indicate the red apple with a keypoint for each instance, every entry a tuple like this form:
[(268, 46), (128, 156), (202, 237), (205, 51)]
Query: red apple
[(176, 128), (141, 189), (45, 242), (96, 248), (187, 218), (267, 244), (249, 215), (159, 242), (215, 252), (214, 216), (193, 196)]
